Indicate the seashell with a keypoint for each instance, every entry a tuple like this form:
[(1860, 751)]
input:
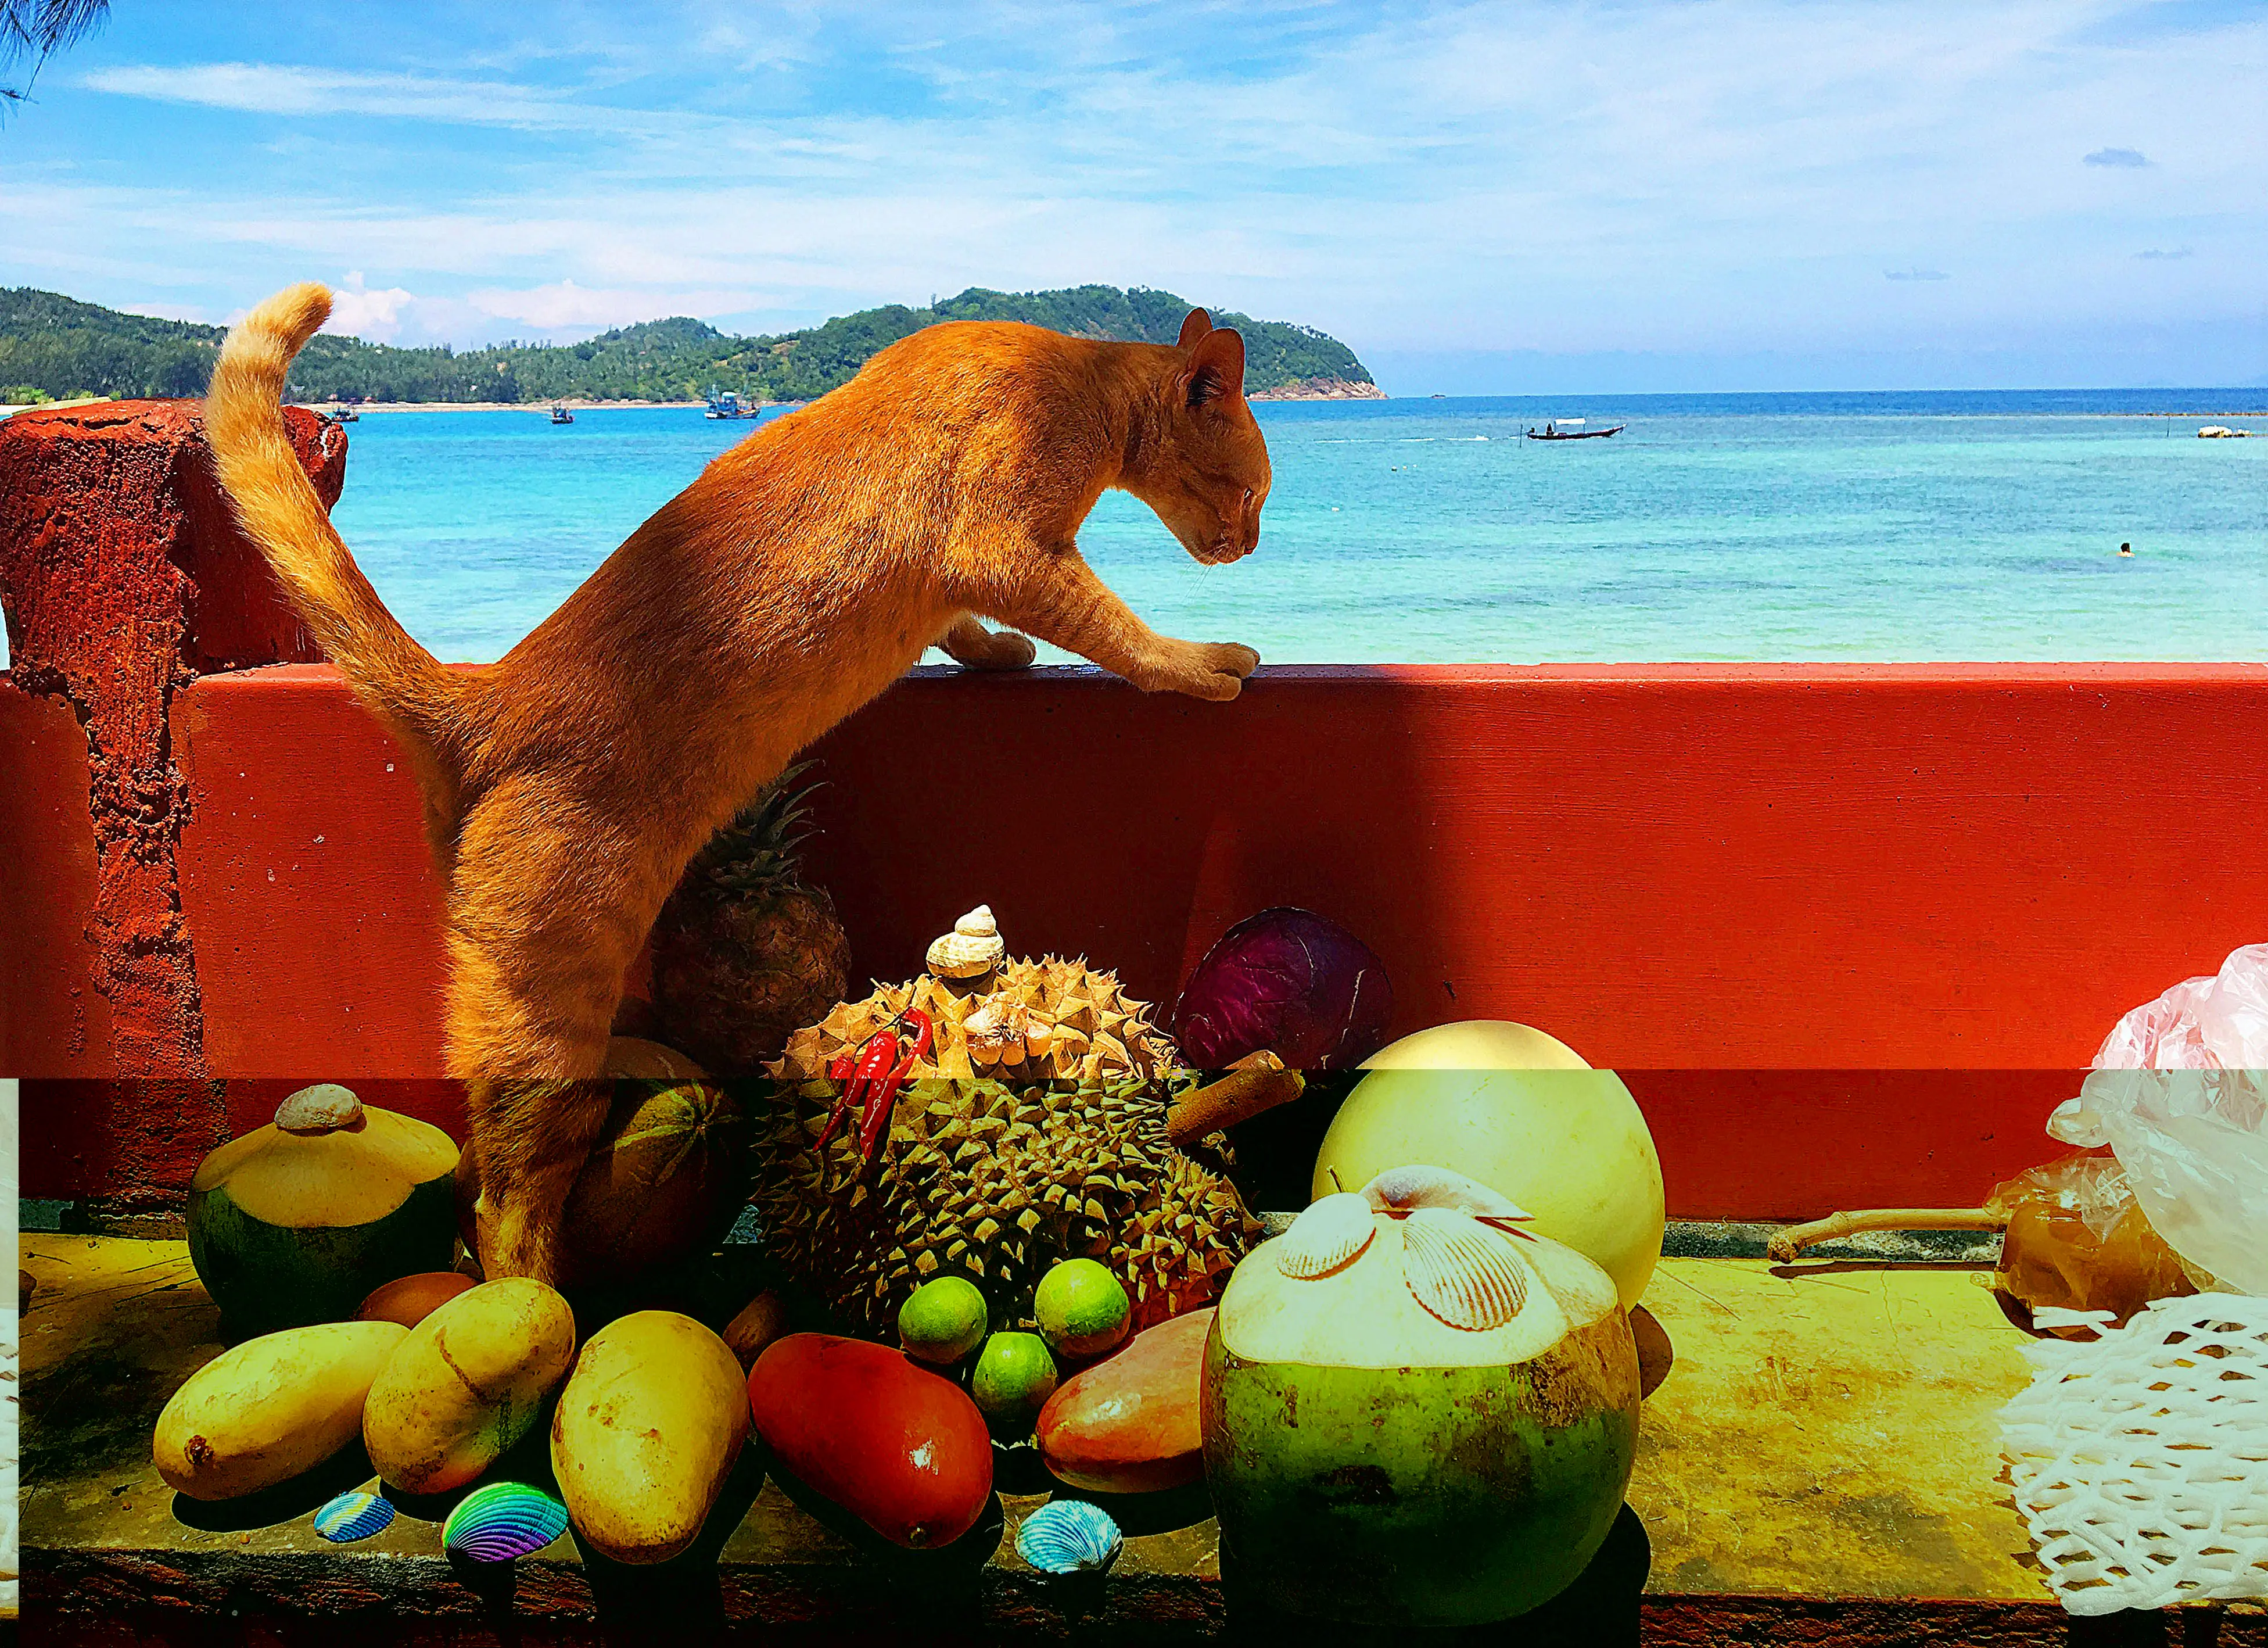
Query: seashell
[(353, 1516), (1402, 1189), (327, 1107), (1330, 1234), (502, 1521), (974, 947), (1461, 1270), (1069, 1536)]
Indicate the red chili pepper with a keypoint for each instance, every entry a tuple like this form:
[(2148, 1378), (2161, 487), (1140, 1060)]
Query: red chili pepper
[(875, 1060), (841, 1068), (885, 1095)]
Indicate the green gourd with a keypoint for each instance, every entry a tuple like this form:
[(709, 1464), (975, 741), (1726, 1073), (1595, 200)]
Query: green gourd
[(299, 1222)]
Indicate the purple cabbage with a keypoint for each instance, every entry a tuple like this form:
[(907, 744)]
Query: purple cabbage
[(1291, 983)]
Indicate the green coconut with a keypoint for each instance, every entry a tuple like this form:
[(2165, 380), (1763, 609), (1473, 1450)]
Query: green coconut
[(1374, 1462), (299, 1222)]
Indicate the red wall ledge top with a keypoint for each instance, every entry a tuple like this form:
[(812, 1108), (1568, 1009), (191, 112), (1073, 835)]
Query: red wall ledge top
[(1702, 674), (1061, 677)]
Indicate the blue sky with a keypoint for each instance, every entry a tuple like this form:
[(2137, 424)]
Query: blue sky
[(1717, 195)]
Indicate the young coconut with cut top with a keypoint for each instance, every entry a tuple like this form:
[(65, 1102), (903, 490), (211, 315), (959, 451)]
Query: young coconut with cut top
[(1467, 1399)]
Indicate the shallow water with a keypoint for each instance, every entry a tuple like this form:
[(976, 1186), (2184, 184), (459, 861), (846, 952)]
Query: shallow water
[(1972, 526)]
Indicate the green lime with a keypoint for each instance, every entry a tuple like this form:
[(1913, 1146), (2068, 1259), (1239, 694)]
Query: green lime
[(943, 1320), (1082, 1308), (1014, 1377)]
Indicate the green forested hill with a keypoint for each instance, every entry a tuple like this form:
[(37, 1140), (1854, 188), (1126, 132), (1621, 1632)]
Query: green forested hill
[(61, 347)]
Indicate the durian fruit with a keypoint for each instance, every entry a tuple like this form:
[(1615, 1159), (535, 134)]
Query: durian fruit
[(1040, 1020), (997, 1182)]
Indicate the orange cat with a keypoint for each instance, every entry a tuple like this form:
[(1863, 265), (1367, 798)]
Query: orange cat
[(567, 785)]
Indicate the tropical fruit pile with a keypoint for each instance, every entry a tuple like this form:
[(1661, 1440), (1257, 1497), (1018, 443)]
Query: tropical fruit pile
[(341, 1210)]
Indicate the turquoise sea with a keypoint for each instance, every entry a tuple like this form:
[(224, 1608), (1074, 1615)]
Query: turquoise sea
[(1959, 526)]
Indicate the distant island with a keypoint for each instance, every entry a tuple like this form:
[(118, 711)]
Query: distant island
[(55, 348)]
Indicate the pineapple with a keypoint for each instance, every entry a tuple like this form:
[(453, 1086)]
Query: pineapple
[(745, 952)]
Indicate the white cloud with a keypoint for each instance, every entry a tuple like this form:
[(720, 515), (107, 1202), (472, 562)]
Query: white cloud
[(1720, 175), (377, 316), (292, 90)]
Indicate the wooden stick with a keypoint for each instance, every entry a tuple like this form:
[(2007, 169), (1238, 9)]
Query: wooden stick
[(1796, 1238), (1240, 1095)]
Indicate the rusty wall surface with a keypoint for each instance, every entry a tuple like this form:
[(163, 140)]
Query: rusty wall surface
[(124, 579)]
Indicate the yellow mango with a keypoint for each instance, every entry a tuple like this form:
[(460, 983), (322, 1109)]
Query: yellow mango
[(271, 1408), (647, 1432), (466, 1383)]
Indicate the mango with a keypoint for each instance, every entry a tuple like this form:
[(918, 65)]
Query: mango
[(409, 1300), (1131, 1425), (647, 1432), (271, 1408), (900, 1447), (466, 1383)]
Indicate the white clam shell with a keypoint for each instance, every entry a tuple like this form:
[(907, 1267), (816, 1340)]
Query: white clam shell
[(1330, 1233), (1399, 1189), (1463, 1272)]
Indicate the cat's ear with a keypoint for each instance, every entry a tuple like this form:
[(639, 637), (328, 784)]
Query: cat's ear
[(1195, 325), (1215, 371)]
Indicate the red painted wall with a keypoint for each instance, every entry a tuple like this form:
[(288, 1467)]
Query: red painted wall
[(1849, 932)]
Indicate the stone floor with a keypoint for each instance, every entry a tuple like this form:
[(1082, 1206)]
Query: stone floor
[(1825, 1438)]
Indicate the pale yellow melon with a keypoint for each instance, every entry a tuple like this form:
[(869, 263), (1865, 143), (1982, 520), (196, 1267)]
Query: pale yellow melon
[(1523, 1113)]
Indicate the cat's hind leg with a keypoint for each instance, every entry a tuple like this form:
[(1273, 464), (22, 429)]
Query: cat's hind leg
[(549, 903)]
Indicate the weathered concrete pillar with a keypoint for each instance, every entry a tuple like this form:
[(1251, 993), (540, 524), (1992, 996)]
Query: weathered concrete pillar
[(123, 578)]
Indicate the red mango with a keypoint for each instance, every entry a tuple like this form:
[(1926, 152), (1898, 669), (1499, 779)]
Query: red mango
[(902, 1449), (1129, 1424)]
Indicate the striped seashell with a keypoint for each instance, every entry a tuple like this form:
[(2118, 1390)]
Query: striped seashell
[(353, 1516), (1330, 1233), (1462, 1271), (502, 1522), (1402, 1189), (1069, 1536)]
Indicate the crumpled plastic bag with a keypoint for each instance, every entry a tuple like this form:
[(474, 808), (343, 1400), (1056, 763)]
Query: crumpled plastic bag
[(2078, 1240), (2179, 1091)]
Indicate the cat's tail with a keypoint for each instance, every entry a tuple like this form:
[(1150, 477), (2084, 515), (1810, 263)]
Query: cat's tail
[(395, 677)]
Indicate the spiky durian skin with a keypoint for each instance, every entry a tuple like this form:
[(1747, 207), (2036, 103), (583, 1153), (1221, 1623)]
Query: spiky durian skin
[(1097, 1033), (996, 1183)]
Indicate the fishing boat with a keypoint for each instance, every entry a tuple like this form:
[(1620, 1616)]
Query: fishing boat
[(560, 414), (1564, 429), (727, 404), (345, 413)]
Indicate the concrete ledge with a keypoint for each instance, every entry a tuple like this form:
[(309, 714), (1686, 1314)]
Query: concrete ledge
[(1821, 1465)]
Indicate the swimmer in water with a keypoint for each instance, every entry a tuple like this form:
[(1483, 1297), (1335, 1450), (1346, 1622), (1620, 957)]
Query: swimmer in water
[(2126, 549)]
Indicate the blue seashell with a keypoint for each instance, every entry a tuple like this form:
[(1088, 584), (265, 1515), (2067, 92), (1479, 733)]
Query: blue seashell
[(502, 1522), (1069, 1536), (353, 1516)]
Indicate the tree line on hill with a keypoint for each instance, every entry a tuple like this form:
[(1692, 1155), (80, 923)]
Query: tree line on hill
[(53, 347)]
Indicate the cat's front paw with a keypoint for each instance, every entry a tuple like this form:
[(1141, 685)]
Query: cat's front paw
[(973, 646), (1205, 669)]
